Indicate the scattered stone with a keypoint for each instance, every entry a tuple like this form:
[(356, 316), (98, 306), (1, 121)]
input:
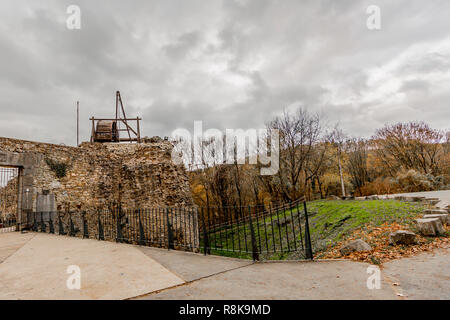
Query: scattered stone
[(430, 227), (360, 198), (374, 197), (356, 245), (333, 197), (445, 219), (402, 237), (432, 201), (435, 211)]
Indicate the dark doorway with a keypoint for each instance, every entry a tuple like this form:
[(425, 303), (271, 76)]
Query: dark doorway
[(9, 198)]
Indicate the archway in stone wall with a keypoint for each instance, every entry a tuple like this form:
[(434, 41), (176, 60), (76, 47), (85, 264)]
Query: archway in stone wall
[(16, 188), (9, 198)]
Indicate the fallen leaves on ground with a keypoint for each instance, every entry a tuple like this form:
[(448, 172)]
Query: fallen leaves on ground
[(382, 251)]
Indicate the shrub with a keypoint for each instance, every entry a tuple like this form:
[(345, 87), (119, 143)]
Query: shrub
[(413, 181), (59, 168), (380, 186)]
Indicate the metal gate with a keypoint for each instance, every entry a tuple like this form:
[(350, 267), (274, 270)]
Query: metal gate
[(9, 191)]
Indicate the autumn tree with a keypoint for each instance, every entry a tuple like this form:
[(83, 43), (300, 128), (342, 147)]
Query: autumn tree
[(300, 132), (357, 166), (412, 145)]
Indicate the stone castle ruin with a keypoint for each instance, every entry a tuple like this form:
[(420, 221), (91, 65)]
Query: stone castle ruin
[(111, 178)]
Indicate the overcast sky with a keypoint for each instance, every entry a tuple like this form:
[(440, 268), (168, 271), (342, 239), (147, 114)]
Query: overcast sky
[(230, 63)]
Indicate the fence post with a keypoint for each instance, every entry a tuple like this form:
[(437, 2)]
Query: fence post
[(169, 232), (50, 223), (72, 227), (308, 247), (205, 235), (255, 253), (141, 230), (119, 236), (42, 222), (85, 226), (60, 225), (34, 222), (101, 235), (300, 225)]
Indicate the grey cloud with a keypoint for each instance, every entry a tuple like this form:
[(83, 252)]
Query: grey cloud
[(432, 62), (415, 85), (232, 64), (182, 45)]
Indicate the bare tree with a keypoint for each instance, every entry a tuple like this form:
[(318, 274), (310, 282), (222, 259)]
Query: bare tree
[(412, 145), (300, 131), (357, 152), (337, 139)]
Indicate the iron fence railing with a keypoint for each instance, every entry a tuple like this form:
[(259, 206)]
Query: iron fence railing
[(257, 232), (8, 224)]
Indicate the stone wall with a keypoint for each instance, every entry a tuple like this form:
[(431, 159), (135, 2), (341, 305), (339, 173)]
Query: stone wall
[(98, 177)]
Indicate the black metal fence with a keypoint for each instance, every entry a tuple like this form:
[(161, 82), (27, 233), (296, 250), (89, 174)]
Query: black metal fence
[(260, 231), (257, 232), (8, 224)]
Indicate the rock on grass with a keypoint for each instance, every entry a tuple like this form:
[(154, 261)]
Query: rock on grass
[(356, 245), (402, 237), (430, 227)]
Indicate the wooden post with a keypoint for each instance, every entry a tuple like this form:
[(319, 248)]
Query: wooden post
[(78, 123), (93, 130), (138, 132)]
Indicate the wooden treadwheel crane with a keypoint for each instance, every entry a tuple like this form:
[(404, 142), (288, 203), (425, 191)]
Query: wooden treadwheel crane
[(108, 130)]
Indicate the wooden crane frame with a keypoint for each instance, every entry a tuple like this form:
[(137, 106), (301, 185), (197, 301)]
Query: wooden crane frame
[(134, 135)]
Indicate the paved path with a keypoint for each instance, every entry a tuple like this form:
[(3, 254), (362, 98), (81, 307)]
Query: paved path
[(38, 269), (33, 266), (425, 276), (283, 281), (442, 195)]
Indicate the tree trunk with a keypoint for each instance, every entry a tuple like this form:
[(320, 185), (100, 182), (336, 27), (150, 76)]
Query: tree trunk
[(340, 174)]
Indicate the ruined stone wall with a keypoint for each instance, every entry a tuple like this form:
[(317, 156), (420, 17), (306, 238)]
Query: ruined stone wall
[(102, 177), (98, 175)]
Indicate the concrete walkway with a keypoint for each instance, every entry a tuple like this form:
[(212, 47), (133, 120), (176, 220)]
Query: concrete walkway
[(442, 195), (425, 276), (34, 266), (283, 281), (38, 269)]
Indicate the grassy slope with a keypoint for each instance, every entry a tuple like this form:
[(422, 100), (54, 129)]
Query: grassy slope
[(330, 222), (337, 219)]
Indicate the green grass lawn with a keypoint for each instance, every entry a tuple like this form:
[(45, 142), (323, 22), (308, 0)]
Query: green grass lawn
[(330, 222), (337, 219)]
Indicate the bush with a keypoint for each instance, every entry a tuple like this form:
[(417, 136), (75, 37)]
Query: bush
[(380, 186), (413, 181), (59, 168)]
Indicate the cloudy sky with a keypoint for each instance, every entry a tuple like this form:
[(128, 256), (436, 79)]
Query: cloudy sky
[(230, 63)]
